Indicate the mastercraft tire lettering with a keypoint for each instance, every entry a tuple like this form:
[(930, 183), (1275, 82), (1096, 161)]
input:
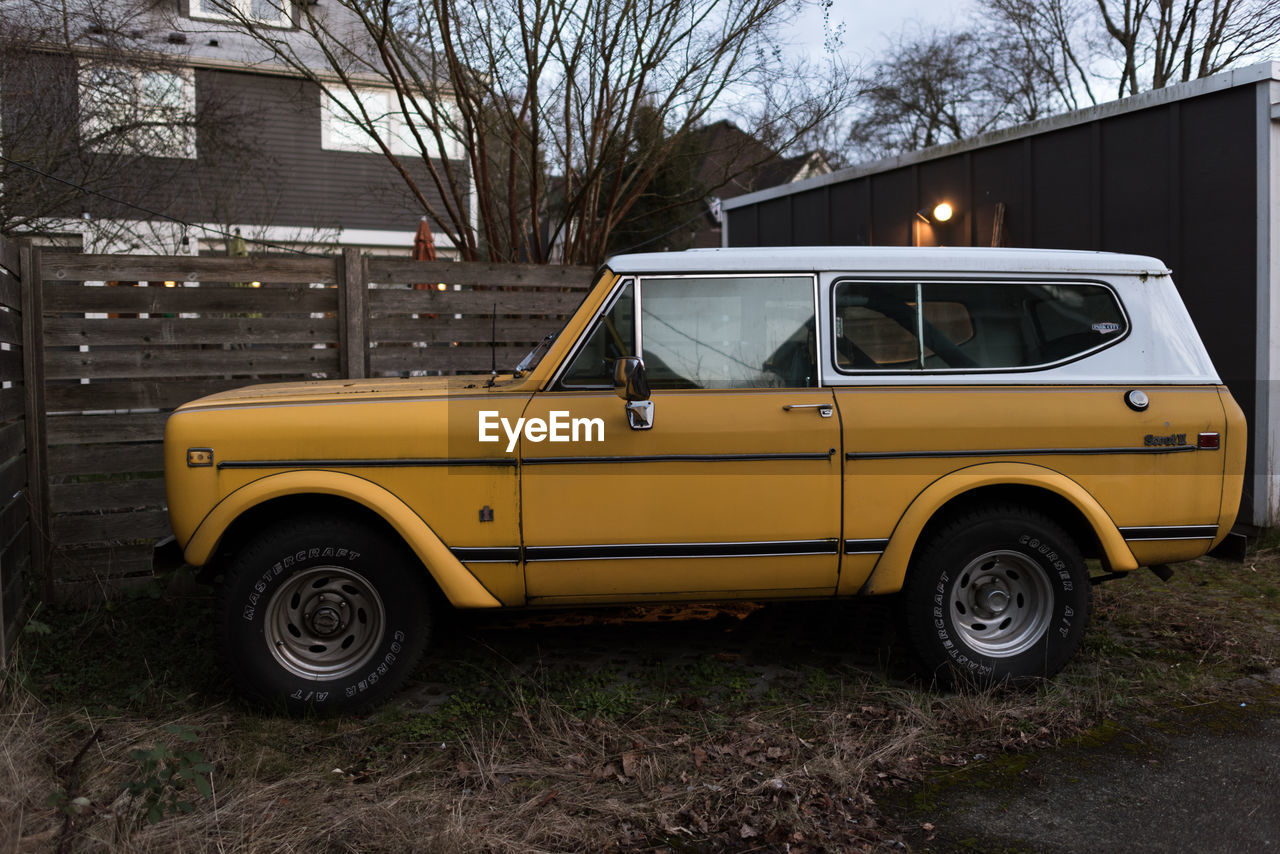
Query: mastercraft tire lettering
[(999, 593), (322, 614)]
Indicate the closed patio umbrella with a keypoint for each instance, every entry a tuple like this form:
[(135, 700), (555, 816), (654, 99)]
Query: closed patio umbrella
[(424, 247)]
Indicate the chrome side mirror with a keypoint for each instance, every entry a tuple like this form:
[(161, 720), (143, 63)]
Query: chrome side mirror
[(631, 384)]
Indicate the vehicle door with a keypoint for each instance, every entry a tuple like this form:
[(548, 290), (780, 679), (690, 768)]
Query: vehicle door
[(734, 488)]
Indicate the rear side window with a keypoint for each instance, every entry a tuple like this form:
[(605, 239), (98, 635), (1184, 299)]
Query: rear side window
[(928, 326)]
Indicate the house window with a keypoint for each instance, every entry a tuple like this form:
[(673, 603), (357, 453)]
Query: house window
[(144, 112), (273, 13), (350, 119)]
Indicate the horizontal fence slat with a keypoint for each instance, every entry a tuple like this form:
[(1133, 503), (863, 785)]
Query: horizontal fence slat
[(69, 331), (10, 294), (12, 403), (13, 475), (385, 301), (72, 530), (408, 272), (15, 566), (89, 429), (102, 562), (296, 299), (16, 554), (136, 394), (95, 591), (13, 439), (468, 359), (186, 268), (132, 362), (13, 515), (106, 458), (11, 327), (10, 365), (114, 495), (9, 255), (471, 329)]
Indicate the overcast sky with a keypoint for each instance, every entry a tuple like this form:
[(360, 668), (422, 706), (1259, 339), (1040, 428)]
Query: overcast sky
[(871, 25)]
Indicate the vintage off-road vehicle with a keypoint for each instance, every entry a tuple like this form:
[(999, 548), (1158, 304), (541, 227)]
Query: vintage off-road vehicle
[(965, 426)]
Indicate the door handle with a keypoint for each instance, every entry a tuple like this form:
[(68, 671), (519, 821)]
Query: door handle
[(824, 409)]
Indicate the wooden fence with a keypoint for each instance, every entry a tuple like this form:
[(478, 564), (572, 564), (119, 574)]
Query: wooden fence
[(125, 339), (21, 488)]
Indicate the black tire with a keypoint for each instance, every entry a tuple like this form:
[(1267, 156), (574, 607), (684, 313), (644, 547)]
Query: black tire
[(322, 615), (997, 594)]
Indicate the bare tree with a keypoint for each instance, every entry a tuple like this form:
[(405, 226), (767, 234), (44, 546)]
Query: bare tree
[(1025, 59), (518, 113), (941, 87), (1135, 44)]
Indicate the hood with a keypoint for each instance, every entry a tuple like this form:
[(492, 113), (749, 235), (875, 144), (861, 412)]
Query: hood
[(369, 389)]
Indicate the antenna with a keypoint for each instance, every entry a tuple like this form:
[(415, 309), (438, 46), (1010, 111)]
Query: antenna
[(493, 346)]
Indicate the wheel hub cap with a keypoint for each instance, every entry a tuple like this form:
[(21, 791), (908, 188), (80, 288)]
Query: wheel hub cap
[(325, 623), (327, 620), (1001, 603), (995, 600)]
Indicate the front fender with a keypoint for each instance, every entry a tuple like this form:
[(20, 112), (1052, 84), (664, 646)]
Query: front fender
[(891, 569), (461, 588)]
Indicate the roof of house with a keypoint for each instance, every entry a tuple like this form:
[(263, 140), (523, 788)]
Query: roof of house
[(208, 41), (735, 162)]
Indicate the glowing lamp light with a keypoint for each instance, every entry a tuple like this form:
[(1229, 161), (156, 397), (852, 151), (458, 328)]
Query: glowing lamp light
[(942, 212), (441, 286), (255, 284)]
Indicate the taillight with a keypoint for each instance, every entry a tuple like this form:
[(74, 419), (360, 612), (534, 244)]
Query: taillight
[(1208, 442)]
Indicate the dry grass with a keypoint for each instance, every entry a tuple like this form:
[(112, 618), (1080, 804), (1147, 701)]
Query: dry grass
[(694, 738)]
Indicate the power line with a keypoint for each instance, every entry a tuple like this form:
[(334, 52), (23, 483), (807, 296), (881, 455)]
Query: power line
[(157, 214)]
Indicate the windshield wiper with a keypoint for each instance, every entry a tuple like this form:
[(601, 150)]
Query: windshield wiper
[(531, 361)]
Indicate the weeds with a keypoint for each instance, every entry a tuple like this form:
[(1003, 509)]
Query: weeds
[(780, 728), (166, 776)]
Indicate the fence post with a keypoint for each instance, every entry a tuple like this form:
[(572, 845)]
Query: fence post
[(36, 437), (353, 314)]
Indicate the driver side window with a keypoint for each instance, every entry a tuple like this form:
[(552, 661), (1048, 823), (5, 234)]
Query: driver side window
[(728, 331)]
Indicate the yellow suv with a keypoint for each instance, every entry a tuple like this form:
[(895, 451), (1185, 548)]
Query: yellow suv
[(965, 426)]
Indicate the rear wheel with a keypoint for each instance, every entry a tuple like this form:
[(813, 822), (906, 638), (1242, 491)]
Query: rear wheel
[(1001, 593), (322, 614)]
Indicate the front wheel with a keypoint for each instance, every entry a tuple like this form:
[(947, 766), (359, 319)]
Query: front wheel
[(997, 594), (322, 614)]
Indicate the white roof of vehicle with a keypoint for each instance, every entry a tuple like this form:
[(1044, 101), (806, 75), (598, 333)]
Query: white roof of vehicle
[(886, 259)]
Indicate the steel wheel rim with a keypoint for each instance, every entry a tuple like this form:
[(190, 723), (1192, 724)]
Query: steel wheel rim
[(324, 623), (1001, 603)]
